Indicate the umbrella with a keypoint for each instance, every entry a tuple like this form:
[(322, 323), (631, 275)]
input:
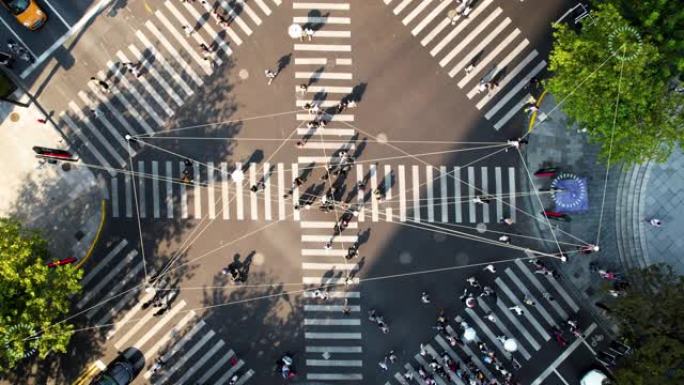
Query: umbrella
[(469, 334), (237, 175), (510, 345), (295, 31)]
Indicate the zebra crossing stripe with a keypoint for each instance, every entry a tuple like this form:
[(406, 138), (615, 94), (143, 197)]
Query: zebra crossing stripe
[(334, 376), (323, 47), (155, 188), (489, 58), (261, 5), (436, 31), (321, 20), (443, 344), (311, 61), (111, 274), (429, 178), (210, 190), (220, 363), (328, 145), (332, 322), (499, 193), (167, 337), (267, 191), (328, 281), (335, 294), (472, 35), (225, 206), (397, 10), (514, 90), (199, 363), (326, 238), (96, 132), (281, 191), (333, 34), (133, 90), (323, 253), (512, 75), (295, 191), (77, 130), (424, 364), (361, 194), (142, 206), (183, 194), (331, 308), (157, 77), (511, 112), (115, 197), (330, 266), (158, 325), (322, 6), (169, 190), (416, 193), (142, 322), (448, 38), (530, 277), (480, 47), (245, 28), (410, 369), (485, 191), (514, 320), (402, 195), (110, 107), (326, 131), (540, 329), (563, 294), (374, 186), (488, 332), (167, 67), (116, 309), (412, 15), (174, 32), (511, 188), (457, 195), (169, 47), (239, 199), (254, 203), (388, 192), (431, 16), (328, 89), (318, 75), (336, 363), (333, 349), (127, 105), (128, 192), (116, 134), (320, 103), (179, 364), (438, 357), (471, 194), (475, 358), (217, 37), (131, 313), (443, 191), (250, 12), (229, 373), (278, 2)]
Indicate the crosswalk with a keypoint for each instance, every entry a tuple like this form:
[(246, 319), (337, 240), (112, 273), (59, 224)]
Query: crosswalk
[(516, 283), (485, 45), (419, 193), (171, 66), (191, 350)]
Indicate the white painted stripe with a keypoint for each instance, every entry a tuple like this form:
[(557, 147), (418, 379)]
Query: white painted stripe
[(328, 89), (389, 216), (229, 373), (263, 6), (401, 6), (324, 75), (416, 11), (321, 20), (512, 297), (535, 282), (331, 308), (361, 195), (219, 364), (320, 103), (114, 191), (103, 263), (96, 132), (416, 193), (295, 191), (435, 31), (502, 326), (563, 293), (334, 376), (514, 320), (323, 47), (448, 38), (535, 71), (197, 193), (159, 324), (250, 12), (443, 194), (225, 203), (430, 16), (179, 364), (169, 189), (483, 63), (429, 178), (199, 363), (485, 191), (450, 374), (129, 195), (111, 274), (234, 15), (326, 238), (332, 336), (167, 337), (506, 80), (66, 119), (516, 109), (253, 202), (329, 145), (334, 294), (488, 332), (182, 41), (239, 198), (333, 349), (326, 131), (343, 61), (277, 2), (327, 281), (133, 90), (178, 346), (333, 34), (108, 125), (155, 188), (569, 350), (211, 185), (374, 185), (112, 109), (322, 6), (169, 47), (311, 61), (281, 191), (155, 74), (184, 195), (335, 363), (134, 329), (330, 266), (267, 191), (116, 309), (324, 253), (511, 189), (458, 214), (332, 321), (142, 201), (471, 195), (402, 193), (466, 348), (481, 46), (499, 193), (200, 21), (474, 33)]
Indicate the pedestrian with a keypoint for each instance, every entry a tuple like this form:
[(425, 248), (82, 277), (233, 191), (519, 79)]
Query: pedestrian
[(346, 310), (309, 33), (469, 68), (303, 88), (490, 316), (408, 375), (588, 249), (517, 309), (424, 297), (325, 295), (299, 144), (188, 30), (270, 75), (372, 315), (548, 296), (104, 86), (655, 222), (423, 351), (158, 364), (472, 281), (505, 239), (528, 301), (392, 357), (506, 221), (383, 364), (327, 246), (490, 268), (481, 86), (487, 291)]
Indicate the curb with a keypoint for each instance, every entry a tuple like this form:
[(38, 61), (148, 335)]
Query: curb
[(533, 118), (86, 257)]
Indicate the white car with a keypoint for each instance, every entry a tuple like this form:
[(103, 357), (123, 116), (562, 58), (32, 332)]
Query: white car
[(594, 377)]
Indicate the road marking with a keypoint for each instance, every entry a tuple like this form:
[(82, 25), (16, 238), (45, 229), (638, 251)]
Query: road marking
[(320, 103), (96, 132), (321, 20), (199, 363), (333, 349), (267, 191), (128, 192), (361, 194), (416, 193), (329, 145), (133, 90), (335, 363), (225, 206), (314, 89), (343, 61), (167, 337), (239, 198), (169, 190), (332, 321), (311, 61), (254, 203), (333, 34), (372, 169), (514, 320), (443, 194), (327, 281), (401, 6), (323, 225), (155, 74), (563, 356), (111, 273), (517, 108), (202, 63), (324, 253), (169, 47), (326, 238), (416, 11), (388, 193), (332, 336), (501, 326), (77, 130), (112, 109), (220, 363), (261, 5), (429, 178), (335, 294), (100, 116), (334, 376), (323, 75), (281, 191), (229, 373), (485, 191), (488, 332), (134, 329), (211, 199), (326, 131), (511, 188), (197, 193), (183, 193), (402, 193), (167, 67), (331, 308), (435, 31), (530, 277), (323, 47), (250, 12), (155, 188), (322, 6), (479, 49), (295, 191), (563, 294), (200, 21), (330, 266), (499, 193), (535, 71), (457, 195), (512, 75), (115, 196), (127, 105), (447, 39), (233, 15), (471, 195), (179, 364), (540, 329), (431, 16), (472, 35), (159, 324), (481, 64)]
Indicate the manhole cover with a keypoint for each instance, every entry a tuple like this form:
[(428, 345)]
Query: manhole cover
[(382, 138), (243, 74), (14, 116)]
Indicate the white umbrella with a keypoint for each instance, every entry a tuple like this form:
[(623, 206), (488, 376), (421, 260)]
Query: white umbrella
[(469, 334), (237, 175), (510, 345), (295, 31)]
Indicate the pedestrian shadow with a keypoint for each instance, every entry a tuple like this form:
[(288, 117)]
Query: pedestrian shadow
[(315, 14), (357, 92), (204, 17), (283, 62), (315, 76), (363, 236), (256, 157), (308, 170), (320, 96), (358, 150)]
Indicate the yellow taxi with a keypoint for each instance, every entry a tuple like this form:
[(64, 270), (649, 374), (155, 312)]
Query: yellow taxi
[(27, 12)]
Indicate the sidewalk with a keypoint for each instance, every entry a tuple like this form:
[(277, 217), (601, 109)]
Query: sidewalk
[(65, 205)]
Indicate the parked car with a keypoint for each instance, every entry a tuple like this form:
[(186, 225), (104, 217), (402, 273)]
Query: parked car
[(27, 12)]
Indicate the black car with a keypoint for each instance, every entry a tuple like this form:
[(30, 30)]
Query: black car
[(122, 370)]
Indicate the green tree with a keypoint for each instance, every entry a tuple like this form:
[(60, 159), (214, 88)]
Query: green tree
[(609, 81), (650, 319), (32, 296)]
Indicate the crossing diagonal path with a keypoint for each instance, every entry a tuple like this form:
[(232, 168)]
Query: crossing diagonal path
[(544, 303), (170, 63), (191, 350), (484, 51)]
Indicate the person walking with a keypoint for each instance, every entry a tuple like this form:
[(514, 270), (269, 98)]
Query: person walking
[(506, 221), (655, 222), (309, 33), (472, 281), (270, 75), (424, 297), (490, 316), (188, 30), (490, 268), (505, 239), (517, 309), (104, 86)]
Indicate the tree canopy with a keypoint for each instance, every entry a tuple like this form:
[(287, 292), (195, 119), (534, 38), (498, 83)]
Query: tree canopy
[(609, 78), (32, 296), (650, 318)]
